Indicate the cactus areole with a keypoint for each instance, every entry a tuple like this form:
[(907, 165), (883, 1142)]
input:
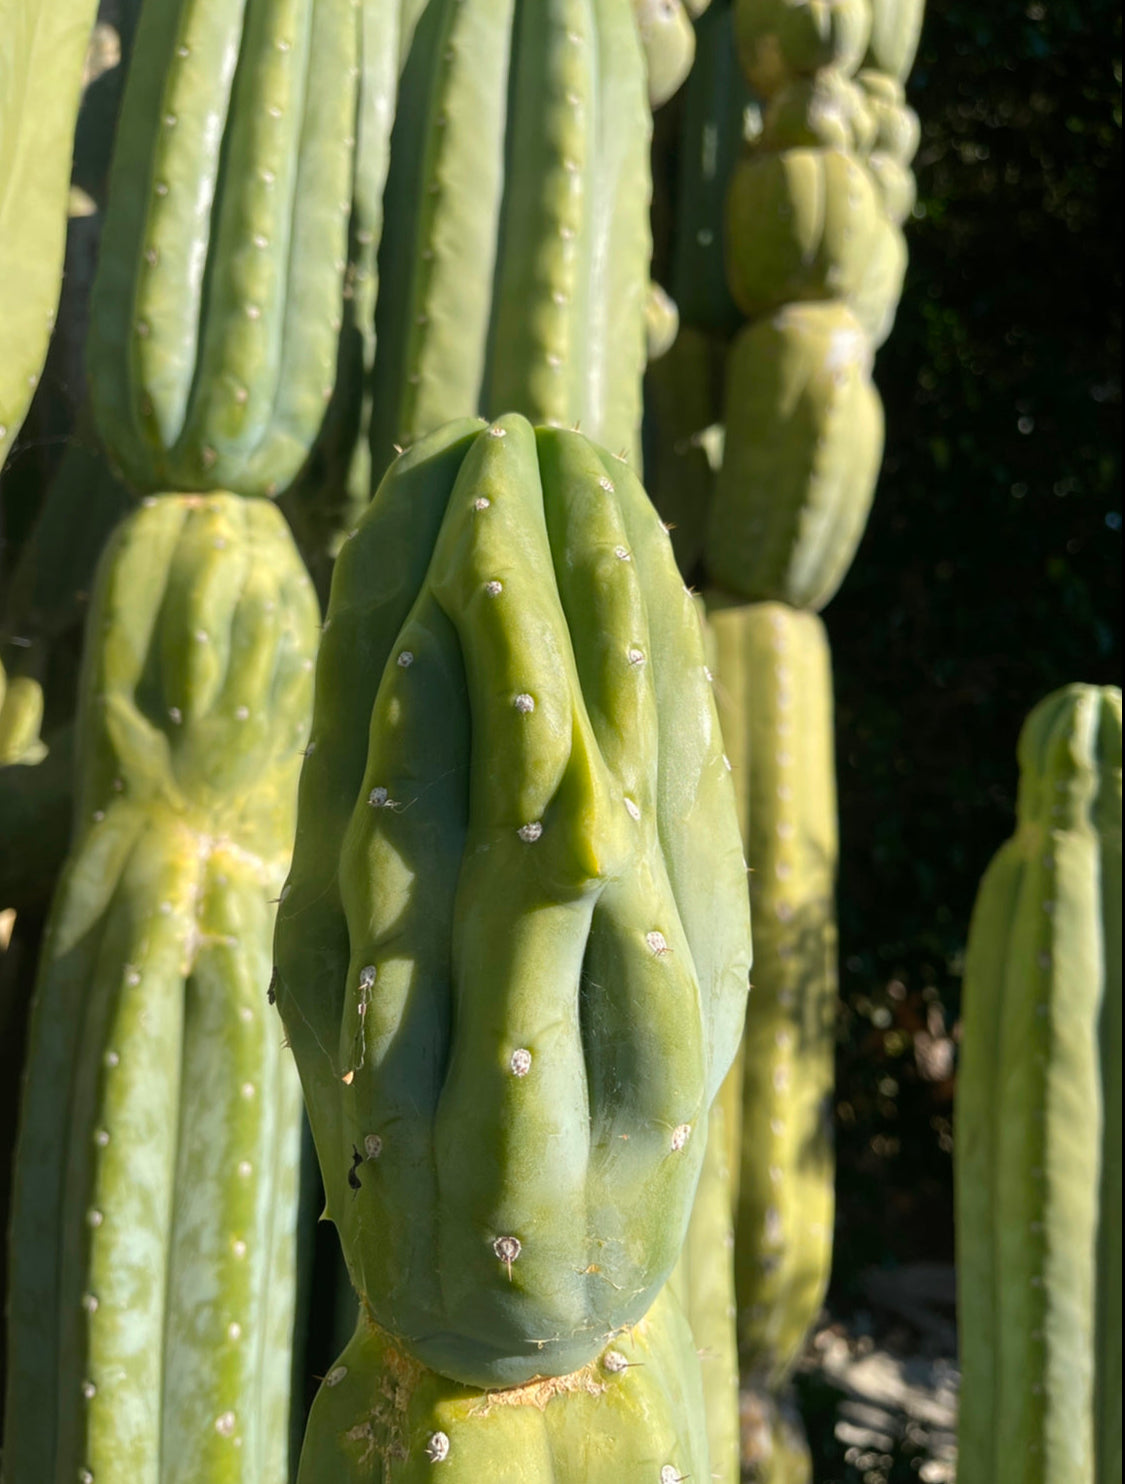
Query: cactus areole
[(512, 954)]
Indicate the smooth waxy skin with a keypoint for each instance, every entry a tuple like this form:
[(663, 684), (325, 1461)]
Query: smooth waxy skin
[(632, 1416), (668, 39), (896, 26), (152, 1266), (1032, 1156), (516, 234), (800, 226), (511, 984), (775, 675), (803, 446), (42, 48), (218, 303), (780, 39)]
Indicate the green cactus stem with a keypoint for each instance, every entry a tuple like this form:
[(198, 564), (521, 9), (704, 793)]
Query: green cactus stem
[(668, 39), (512, 954), (1035, 1153), (151, 1283), (774, 679), (516, 238), (218, 303), (42, 49), (801, 457), (631, 1416), (781, 39), (896, 27)]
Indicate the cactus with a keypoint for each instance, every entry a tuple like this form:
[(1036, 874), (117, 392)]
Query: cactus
[(1035, 1153), (154, 1200), (631, 1416), (516, 237), (804, 440), (896, 26), (782, 39), (511, 1181), (668, 39), (217, 307), (42, 49)]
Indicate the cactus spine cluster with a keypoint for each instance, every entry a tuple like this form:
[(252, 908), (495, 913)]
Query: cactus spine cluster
[(1038, 1129), (151, 1281), (511, 985)]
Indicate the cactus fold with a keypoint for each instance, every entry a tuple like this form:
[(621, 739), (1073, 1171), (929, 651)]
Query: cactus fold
[(801, 457), (217, 307), (631, 1416), (512, 953), (896, 26), (155, 1194), (668, 39), (516, 235), (42, 49), (1036, 1153)]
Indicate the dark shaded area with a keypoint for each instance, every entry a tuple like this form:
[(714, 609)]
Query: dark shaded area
[(989, 575)]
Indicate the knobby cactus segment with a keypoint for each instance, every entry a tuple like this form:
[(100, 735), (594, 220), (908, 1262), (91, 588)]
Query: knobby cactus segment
[(668, 39), (516, 231), (513, 950), (41, 54), (151, 1273), (1037, 1148), (801, 457), (631, 1416), (217, 308), (782, 39)]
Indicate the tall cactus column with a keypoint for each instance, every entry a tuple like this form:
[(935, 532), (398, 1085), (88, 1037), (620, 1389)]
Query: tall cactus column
[(814, 259), (1038, 1132)]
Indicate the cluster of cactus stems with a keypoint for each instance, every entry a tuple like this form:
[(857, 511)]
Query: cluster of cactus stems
[(1038, 1131)]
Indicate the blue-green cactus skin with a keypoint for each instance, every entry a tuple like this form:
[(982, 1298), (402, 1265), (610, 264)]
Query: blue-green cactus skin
[(512, 953), (1035, 1152)]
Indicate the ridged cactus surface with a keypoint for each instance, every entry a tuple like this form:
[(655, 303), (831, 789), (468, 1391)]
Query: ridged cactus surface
[(42, 49), (219, 298), (632, 1415), (774, 673), (516, 232), (151, 1282), (782, 39), (512, 954), (801, 456), (1037, 1144)]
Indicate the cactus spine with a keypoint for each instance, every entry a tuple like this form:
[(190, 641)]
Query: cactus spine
[(42, 49), (1037, 1148), (540, 1149), (155, 1191)]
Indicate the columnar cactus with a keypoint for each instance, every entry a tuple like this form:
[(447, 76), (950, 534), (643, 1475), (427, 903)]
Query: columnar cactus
[(154, 1202), (776, 673), (219, 299), (512, 952), (42, 49), (632, 1415), (1038, 1128), (516, 242)]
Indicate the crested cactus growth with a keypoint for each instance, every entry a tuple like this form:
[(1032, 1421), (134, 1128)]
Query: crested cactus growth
[(802, 452), (630, 1416), (512, 952), (42, 48), (516, 235), (1038, 1130), (782, 39), (669, 45), (775, 673), (218, 304), (151, 1271)]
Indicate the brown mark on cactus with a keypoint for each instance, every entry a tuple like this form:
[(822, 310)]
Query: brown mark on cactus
[(353, 1176), (271, 992)]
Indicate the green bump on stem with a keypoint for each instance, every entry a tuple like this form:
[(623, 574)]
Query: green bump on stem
[(514, 945)]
